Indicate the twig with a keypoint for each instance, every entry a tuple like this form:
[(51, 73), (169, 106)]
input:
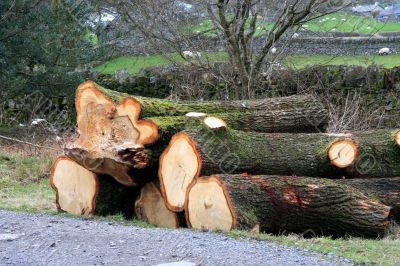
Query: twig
[(28, 143)]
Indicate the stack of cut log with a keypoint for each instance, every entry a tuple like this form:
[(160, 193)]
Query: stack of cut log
[(253, 165)]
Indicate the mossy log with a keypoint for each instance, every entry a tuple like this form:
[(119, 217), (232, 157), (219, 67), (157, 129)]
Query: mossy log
[(82, 192), (299, 113), (284, 204), (150, 206), (202, 151), (379, 154), (387, 190)]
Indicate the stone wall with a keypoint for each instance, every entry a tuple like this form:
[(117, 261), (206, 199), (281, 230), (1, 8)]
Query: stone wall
[(345, 46)]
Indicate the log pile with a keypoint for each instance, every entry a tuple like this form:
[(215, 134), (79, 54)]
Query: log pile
[(262, 165)]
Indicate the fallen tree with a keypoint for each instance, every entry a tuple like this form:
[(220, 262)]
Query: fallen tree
[(283, 204), (112, 138), (212, 148), (387, 190)]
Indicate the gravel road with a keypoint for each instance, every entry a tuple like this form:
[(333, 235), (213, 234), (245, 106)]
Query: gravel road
[(28, 239)]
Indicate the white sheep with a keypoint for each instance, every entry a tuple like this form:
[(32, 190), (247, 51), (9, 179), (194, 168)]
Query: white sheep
[(190, 54), (384, 51), (273, 50)]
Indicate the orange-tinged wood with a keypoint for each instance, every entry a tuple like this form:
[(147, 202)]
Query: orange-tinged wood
[(76, 187), (343, 153), (151, 207), (111, 136), (180, 163)]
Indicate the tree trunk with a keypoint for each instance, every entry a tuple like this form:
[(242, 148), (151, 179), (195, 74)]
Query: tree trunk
[(112, 138), (379, 154), (283, 204), (387, 190), (202, 151), (299, 111), (82, 192), (150, 206)]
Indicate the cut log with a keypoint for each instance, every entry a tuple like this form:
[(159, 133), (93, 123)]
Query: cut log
[(179, 165), (379, 155), (111, 136), (82, 192), (76, 188), (150, 206), (387, 190), (283, 204), (202, 151), (300, 113)]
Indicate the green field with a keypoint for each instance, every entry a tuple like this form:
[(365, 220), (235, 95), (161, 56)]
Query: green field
[(24, 186), (337, 22), (388, 61), (135, 63)]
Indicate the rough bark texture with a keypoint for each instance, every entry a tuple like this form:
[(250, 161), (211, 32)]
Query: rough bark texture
[(379, 155), (296, 204), (294, 113), (387, 190), (232, 151)]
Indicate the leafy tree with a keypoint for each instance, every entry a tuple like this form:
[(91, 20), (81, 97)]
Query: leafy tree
[(42, 43)]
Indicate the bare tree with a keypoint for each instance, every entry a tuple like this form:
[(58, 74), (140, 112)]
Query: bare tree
[(235, 24)]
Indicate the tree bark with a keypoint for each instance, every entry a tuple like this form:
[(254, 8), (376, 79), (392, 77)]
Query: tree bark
[(300, 111), (203, 151), (231, 151), (387, 190), (284, 204)]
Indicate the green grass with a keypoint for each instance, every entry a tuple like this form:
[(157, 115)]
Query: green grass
[(24, 186), (24, 183), (361, 251), (136, 63), (337, 22), (342, 22)]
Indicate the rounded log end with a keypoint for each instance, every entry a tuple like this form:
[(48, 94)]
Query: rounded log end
[(215, 123), (180, 163), (150, 206), (76, 187), (343, 153), (208, 205)]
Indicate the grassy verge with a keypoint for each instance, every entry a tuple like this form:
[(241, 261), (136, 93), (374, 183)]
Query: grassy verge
[(24, 186), (361, 251)]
